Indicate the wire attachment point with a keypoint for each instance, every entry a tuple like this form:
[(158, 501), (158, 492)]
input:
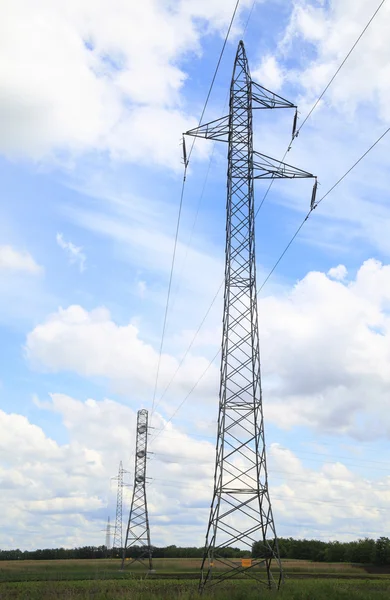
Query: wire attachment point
[(185, 159), (313, 196), (294, 129)]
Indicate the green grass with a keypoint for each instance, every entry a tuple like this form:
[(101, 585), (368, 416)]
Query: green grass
[(103, 580), (109, 569), (187, 590)]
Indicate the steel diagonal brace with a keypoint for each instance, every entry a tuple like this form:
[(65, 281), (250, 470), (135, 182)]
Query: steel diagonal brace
[(215, 130), (265, 167), (263, 98), (240, 534)]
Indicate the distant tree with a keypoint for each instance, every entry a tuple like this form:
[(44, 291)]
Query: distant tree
[(335, 552), (382, 551), (363, 551)]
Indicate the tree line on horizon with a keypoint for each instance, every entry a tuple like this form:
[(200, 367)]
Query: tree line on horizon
[(363, 551)]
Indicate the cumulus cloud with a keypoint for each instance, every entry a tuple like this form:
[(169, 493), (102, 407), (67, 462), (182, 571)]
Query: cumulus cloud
[(97, 76), (92, 344), (24, 297), (332, 31), (325, 353), (325, 348), (66, 487), (340, 272), (75, 253), (331, 501), (351, 115), (13, 260), (269, 73)]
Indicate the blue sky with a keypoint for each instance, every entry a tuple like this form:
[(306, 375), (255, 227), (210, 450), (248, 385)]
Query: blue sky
[(94, 99)]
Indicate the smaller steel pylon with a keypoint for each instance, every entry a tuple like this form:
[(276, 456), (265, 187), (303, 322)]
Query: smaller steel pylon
[(138, 530)]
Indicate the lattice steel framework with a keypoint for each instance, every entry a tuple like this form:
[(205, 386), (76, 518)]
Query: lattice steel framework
[(241, 510), (117, 543), (108, 536), (138, 531)]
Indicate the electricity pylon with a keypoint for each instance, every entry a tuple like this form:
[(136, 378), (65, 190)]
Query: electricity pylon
[(118, 539), (138, 531), (108, 537), (241, 510)]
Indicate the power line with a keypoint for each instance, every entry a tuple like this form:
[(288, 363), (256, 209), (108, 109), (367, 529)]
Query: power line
[(320, 442), (188, 395), (248, 19), (181, 205), (341, 65), (283, 253), (190, 345), (269, 187), (353, 166), (198, 208), (215, 74), (188, 459), (281, 257), (271, 183), (317, 203), (213, 148), (298, 454), (320, 98), (179, 483), (193, 225), (203, 111), (337, 502), (169, 292)]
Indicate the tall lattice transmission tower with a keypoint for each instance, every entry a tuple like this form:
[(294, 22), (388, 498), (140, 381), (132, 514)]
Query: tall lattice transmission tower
[(138, 531), (117, 543), (241, 511), (108, 537)]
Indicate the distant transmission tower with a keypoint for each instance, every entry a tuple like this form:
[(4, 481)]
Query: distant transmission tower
[(241, 508), (138, 532), (108, 536), (118, 540)]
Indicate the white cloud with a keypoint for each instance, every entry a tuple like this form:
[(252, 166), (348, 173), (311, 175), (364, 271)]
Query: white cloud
[(74, 253), (325, 351), (332, 32), (269, 73), (325, 354), (13, 260), (66, 487), (340, 272), (91, 344), (352, 114), (98, 76), (331, 501)]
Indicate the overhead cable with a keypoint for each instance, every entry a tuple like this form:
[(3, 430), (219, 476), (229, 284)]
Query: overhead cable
[(181, 206), (271, 183), (320, 98), (331, 189)]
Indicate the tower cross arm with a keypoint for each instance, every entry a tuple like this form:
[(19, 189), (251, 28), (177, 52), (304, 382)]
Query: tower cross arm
[(215, 130), (263, 98), (265, 167)]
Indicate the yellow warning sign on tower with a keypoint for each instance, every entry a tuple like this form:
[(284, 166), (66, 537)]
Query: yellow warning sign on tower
[(246, 562)]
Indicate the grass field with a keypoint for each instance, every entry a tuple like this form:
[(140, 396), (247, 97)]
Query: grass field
[(176, 579)]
